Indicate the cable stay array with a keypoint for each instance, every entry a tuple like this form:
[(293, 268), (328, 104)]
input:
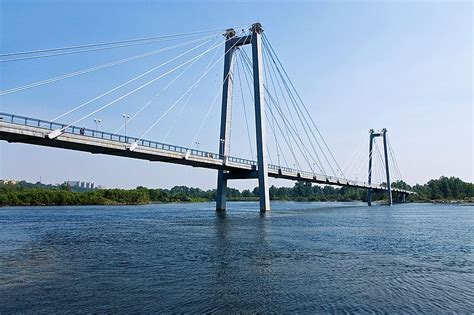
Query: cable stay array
[(91, 47), (96, 68), (294, 138)]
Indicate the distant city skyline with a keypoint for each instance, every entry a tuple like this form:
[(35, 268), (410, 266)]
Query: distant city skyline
[(72, 183), (405, 66)]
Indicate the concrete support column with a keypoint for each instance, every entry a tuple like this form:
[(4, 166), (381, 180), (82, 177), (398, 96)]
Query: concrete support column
[(225, 119), (387, 168), (369, 181), (263, 185)]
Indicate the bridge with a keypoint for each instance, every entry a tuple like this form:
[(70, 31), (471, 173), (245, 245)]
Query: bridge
[(298, 134)]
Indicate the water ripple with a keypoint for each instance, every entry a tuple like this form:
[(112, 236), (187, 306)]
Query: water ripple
[(301, 257)]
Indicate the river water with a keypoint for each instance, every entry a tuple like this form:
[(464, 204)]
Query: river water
[(300, 257)]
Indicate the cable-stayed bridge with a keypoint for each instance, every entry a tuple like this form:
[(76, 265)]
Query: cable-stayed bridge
[(295, 148)]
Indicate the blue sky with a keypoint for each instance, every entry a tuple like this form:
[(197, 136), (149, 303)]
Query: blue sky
[(406, 66)]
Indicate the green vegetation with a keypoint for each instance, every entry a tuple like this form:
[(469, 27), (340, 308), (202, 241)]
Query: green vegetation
[(23, 193), (30, 195), (442, 189)]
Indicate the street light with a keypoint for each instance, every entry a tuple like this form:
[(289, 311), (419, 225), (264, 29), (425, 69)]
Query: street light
[(197, 144), (126, 117), (97, 121)]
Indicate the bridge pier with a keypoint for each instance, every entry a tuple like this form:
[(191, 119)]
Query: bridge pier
[(387, 168), (262, 164), (232, 43), (369, 181), (226, 113), (401, 197), (221, 197)]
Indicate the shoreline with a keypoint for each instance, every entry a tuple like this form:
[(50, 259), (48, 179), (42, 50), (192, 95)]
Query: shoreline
[(447, 202), (445, 190)]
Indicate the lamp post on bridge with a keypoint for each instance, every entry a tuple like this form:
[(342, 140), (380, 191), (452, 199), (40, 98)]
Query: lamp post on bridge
[(126, 117), (97, 121), (197, 145)]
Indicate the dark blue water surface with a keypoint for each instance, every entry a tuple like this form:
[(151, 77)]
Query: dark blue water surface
[(300, 257)]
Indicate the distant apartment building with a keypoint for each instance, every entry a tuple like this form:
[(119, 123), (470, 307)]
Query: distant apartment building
[(8, 181), (79, 184), (73, 183)]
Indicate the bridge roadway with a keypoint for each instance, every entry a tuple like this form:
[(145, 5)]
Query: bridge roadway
[(14, 128)]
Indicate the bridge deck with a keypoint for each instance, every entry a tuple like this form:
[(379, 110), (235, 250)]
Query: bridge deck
[(21, 129)]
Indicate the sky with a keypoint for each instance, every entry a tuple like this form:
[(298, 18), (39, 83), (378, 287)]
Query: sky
[(402, 65)]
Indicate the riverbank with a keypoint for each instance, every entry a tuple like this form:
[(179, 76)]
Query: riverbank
[(108, 202), (443, 190)]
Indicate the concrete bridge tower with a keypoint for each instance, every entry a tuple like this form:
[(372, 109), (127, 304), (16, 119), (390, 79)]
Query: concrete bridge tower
[(372, 136), (232, 44)]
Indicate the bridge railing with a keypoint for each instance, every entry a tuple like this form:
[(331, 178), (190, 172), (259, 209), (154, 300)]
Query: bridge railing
[(34, 122), (241, 161), (330, 178), (293, 170)]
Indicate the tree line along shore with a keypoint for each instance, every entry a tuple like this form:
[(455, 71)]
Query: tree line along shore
[(444, 189)]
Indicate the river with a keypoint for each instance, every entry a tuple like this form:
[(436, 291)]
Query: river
[(300, 257)]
